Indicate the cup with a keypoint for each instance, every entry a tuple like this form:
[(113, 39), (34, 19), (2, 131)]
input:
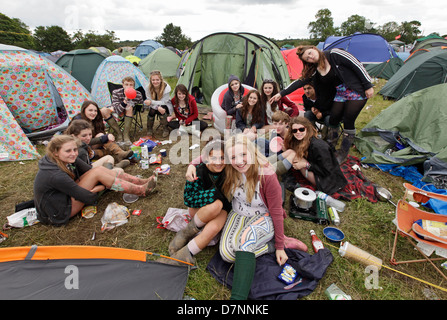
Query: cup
[(163, 152), (228, 121), (348, 250)]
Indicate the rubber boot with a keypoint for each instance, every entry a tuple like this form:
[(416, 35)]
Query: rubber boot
[(123, 164), (346, 143), (183, 236), (333, 133), (244, 271), (108, 165), (124, 186), (116, 152), (150, 125), (183, 255), (127, 125), (136, 180), (114, 125), (164, 124), (99, 153)]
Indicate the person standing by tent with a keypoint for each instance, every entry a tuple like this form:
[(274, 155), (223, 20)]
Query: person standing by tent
[(186, 111), (232, 99), (341, 71), (65, 184), (123, 107), (251, 116), (268, 89), (254, 190), (102, 143), (159, 102), (315, 158)]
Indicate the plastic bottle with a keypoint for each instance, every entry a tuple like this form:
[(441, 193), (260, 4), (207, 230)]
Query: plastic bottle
[(333, 214), (316, 242), (331, 202)]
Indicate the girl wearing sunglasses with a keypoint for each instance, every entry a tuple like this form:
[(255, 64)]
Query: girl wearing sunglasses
[(315, 158)]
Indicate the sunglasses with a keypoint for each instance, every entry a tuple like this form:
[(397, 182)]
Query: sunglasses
[(302, 129)]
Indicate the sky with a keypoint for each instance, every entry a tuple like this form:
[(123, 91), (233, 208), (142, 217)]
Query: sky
[(277, 19)]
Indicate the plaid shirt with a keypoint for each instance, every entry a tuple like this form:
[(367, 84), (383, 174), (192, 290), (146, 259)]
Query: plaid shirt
[(118, 97)]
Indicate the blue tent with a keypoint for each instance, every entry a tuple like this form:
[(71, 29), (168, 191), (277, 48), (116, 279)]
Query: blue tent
[(366, 47), (146, 47)]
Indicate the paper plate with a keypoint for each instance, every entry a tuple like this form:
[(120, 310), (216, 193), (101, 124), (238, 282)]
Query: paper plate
[(130, 198)]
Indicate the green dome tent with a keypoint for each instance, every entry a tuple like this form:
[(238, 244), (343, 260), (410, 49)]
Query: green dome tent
[(385, 70), (211, 60), (161, 59), (419, 72), (412, 130), (82, 65)]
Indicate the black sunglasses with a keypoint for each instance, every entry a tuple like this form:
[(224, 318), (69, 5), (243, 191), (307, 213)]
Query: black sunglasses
[(302, 129)]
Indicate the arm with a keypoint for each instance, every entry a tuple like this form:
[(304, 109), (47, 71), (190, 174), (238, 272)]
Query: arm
[(349, 61), (118, 101), (240, 123), (194, 112), (65, 184), (227, 104), (292, 105)]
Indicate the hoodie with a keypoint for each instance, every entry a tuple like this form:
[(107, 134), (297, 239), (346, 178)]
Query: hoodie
[(53, 190), (228, 103)]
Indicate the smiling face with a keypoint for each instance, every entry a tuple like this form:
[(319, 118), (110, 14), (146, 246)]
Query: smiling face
[(252, 99), (216, 161), (85, 135), (268, 89), (91, 112), (235, 85), (128, 84), (155, 80), (68, 152), (181, 96), (298, 131), (240, 158)]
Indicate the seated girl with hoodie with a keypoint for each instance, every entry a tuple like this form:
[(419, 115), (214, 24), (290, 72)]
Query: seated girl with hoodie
[(232, 99), (65, 184)]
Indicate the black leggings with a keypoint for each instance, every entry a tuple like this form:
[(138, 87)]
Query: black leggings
[(347, 111)]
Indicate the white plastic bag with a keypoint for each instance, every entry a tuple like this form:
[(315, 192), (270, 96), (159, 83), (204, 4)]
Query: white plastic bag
[(22, 218), (114, 216), (174, 220)]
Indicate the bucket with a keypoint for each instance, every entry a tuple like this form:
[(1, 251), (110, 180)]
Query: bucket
[(348, 250)]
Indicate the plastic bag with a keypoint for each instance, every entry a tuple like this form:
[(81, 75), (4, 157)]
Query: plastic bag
[(114, 216), (174, 220), (23, 218)]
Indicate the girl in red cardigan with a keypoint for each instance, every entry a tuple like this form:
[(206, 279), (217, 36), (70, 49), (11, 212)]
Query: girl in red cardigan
[(185, 109)]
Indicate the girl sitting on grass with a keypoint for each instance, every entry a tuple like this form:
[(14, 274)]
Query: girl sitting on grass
[(65, 184)]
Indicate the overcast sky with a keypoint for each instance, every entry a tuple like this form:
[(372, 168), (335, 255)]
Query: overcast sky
[(278, 19)]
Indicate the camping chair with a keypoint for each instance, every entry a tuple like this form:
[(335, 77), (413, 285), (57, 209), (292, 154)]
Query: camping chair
[(407, 215), (138, 109)]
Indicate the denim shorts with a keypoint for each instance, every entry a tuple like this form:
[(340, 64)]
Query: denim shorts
[(345, 94)]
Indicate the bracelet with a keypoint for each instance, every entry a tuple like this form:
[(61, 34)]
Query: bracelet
[(307, 166)]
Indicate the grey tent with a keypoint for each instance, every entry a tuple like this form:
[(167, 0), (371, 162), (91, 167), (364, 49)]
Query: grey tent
[(87, 273), (411, 131)]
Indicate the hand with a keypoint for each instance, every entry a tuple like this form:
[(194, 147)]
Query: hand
[(111, 137), (147, 102), (281, 257), (191, 173), (161, 110), (299, 164), (369, 93), (276, 97), (239, 105)]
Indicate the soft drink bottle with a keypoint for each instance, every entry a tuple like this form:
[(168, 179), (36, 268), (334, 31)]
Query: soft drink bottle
[(317, 244), (331, 202)]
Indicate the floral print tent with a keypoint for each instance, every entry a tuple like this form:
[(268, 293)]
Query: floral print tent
[(36, 95)]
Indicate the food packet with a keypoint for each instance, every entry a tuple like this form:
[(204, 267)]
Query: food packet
[(114, 216)]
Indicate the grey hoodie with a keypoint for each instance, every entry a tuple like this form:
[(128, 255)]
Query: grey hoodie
[(53, 190), (228, 103)]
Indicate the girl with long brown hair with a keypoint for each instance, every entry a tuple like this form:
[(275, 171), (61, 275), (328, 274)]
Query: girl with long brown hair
[(251, 116)]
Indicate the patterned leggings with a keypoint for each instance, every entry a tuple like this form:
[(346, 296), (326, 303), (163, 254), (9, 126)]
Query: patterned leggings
[(242, 233)]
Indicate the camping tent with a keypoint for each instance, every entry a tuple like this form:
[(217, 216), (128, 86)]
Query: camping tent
[(81, 64), (162, 59), (114, 69), (429, 42), (146, 47), (37, 99), (366, 47), (421, 71), (211, 60), (87, 273), (385, 70), (294, 64), (102, 50), (410, 131)]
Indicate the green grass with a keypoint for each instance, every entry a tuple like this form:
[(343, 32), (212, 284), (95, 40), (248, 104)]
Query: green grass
[(365, 224)]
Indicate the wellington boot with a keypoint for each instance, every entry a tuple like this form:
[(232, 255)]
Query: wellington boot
[(116, 128), (164, 125), (128, 187), (150, 125), (244, 271), (136, 180), (181, 255), (127, 125), (116, 152), (123, 164), (346, 143), (182, 237), (332, 136)]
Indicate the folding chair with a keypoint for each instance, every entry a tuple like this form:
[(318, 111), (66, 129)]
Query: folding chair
[(138, 109), (407, 215)]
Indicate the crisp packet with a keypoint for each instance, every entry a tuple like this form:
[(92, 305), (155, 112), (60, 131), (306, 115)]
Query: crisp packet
[(288, 274), (89, 212), (155, 159)]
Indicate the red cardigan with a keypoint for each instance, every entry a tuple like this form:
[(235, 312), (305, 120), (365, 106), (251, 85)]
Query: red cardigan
[(193, 110), (286, 101)]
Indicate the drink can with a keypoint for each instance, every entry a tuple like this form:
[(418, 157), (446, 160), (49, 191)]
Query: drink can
[(144, 164)]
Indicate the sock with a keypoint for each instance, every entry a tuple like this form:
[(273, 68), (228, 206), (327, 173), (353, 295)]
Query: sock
[(193, 248), (199, 223)]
